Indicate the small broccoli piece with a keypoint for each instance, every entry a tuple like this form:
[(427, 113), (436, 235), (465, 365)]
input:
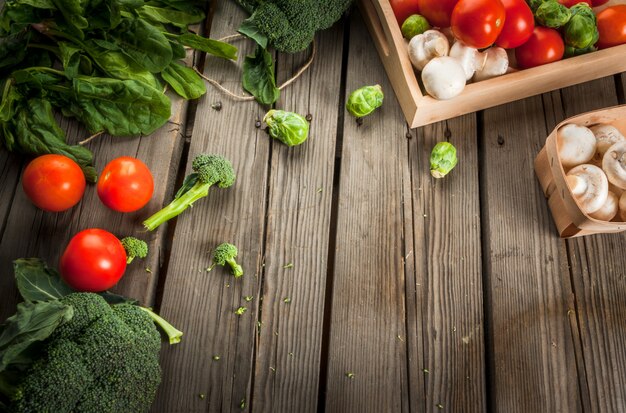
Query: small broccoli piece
[(208, 170), (172, 333), (226, 253), (135, 248)]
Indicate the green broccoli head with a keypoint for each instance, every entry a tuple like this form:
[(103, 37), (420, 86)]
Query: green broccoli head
[(135, 248), (214, 169), (224, 254)]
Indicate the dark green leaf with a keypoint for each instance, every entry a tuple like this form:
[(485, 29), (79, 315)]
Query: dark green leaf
[(39, 4), (37, 282), (188, 183), (143, 43), (104, 14), (73, 12), (13, 49), (258, 77), (249, 29), (214, 47), (178, 50), (31, 323), (70, 57), (248, 5), (184, 81), (189, 6), (168, 16), (37, 77), (113, 299), (10, 97)]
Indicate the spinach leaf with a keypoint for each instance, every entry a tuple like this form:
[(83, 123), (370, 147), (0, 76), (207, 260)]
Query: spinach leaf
[(178, 50), (184, 81), (168, 16), (70, 58), (36, 282), (39, 4), (258, 76), (204, 44), (13, 49), (10, 97), (143, 43), (249, 29), (31, 323), (72, 11), (188, 6)]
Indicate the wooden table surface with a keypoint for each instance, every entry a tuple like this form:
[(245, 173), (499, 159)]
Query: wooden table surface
[(435, 295)]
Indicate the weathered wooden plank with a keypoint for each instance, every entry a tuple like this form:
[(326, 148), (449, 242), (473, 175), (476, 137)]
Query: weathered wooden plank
[(202, 304), (368, 309), (444, 300), (298, 230), (597, 271), (532, 363)]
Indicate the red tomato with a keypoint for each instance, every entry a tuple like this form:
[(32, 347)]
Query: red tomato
[(53, 182), (94, 261), (125, 184), (544, 46), (612, 26), (478, 23), (597, 3), (570, 3), (437, 12), (518, 24), (403, 9)]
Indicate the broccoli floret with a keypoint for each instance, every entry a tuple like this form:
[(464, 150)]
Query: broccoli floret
[(290, 25), (226, 253), (103, 360), (135, 248), (208, 170)]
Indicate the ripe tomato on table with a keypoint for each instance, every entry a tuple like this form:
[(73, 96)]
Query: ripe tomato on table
[(94, 261), (125, 184), (478, 23), (612, 26), (403, 9), (437, 12), (544, 46), (53, 182), (518, 24)]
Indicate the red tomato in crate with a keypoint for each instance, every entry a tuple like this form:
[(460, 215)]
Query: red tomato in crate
[(125, 184), (544, 46), (478, 23), (53, 182), (437, 12), (403, 9), (518, 24), (612, 26), (94, 261), (597, 3)]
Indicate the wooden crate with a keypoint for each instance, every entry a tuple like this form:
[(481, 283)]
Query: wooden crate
[(569, 218), (421, 109)]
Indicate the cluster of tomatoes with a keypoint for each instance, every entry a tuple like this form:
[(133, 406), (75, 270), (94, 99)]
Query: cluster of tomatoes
[(94, 259), (510, 25)]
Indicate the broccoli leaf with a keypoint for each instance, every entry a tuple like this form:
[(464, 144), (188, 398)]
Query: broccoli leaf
[(249, 29), (31, 323), (188, 183), (258, 76), (37, 282), (184, 81), (214, 47), (113, 299)]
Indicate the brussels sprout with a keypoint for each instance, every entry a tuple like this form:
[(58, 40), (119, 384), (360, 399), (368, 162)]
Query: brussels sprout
[(552, 14), (365, 100), (581, 31), (571, 51), (414, 25), (442, 159), (288, 127)]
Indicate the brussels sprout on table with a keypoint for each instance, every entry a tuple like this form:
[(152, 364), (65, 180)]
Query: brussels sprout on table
[(288, 127), (365, 100), (581, 31), (442, 159), (552, 14)]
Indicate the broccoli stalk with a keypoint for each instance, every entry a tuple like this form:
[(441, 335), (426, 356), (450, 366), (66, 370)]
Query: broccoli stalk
[(173, 334), (224, 254), (208, 170), (135, 248)]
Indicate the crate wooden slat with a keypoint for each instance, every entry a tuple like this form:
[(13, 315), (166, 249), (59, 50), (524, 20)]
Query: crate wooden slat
[(421, 109)]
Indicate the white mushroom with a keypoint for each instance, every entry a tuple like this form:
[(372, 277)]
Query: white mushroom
[(614, 164), (443, 78), (589, 186), (617, 191), (576, 145), (622, 207), (426, 46), (606, 136), (608, 211), (467, 56), (494, 62)]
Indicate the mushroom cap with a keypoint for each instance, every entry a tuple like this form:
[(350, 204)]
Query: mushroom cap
[(622, 206), (596, 187), (606, 136), (614, 164), (576, 144), (443, 78), (609, 210), (426, 46), (468, 57), (495, 62)]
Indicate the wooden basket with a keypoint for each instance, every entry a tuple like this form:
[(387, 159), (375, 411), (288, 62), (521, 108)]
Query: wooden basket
[(569, 218), (421, 109)]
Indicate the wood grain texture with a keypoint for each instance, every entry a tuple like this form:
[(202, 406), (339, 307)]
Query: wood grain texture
[(598, 273), (531, 339), (199, 303), (444, 299), (368, 309), (298, 229)]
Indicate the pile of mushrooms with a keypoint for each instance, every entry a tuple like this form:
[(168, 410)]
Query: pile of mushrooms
[(595, 163), (447, 68)]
